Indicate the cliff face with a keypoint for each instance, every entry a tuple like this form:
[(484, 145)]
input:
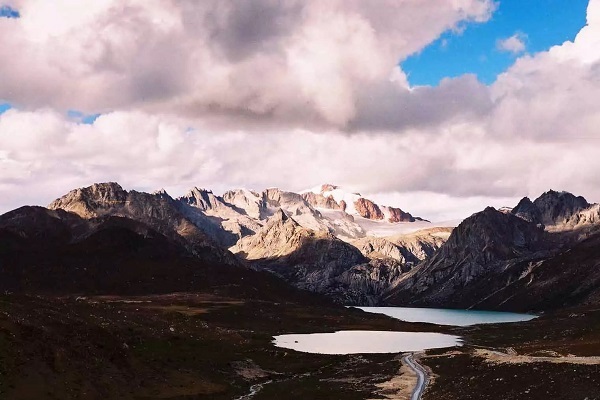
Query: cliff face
[(333, 197), (367, 209), (380, 248), (317, 200), (567, 279), (408, 249), (397, 215), (528, 211), (283, 243), (93, 201), (223, 222)]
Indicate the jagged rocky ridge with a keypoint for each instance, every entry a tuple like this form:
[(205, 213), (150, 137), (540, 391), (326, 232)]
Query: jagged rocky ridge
[(333, 197), (158, 211), (274, 230), (537, 256), (320, 262), (240, 213), (557, 210), (282, 232)]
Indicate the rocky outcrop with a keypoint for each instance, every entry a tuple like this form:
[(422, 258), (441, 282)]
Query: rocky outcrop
[(203, 200), (403, 251), (397, 215), (366, 284), (367, 209), (317, 200), (328, 187), (292, 203), (528, 211), (332, 197), (283, 241), (251, 202), (557, 208), (224, 222), (379, 249), (420, 245), (560, 212), (588, 218), (93, 201)]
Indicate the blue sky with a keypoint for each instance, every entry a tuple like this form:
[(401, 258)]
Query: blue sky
[(75, 115), (542, 24), (8, 12), (82, 117)]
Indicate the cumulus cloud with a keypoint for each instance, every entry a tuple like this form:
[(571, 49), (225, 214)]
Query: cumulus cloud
[(45, 154), (296, 61), (514, 44), (286, 99)]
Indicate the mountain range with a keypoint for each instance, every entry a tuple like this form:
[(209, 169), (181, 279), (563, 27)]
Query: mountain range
[(541, 254)]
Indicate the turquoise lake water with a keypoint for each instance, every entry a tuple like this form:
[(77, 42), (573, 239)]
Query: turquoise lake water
[(448, 316)]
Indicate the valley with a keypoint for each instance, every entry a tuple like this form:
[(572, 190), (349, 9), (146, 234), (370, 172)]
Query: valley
[(204, 346), (120, 294)]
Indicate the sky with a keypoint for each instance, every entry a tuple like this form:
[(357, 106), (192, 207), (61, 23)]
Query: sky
[(516, 27), (439, 107)]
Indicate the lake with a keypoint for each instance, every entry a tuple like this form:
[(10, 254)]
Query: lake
[(448, 316), (356, 342)]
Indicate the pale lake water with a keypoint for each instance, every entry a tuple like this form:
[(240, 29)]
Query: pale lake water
[(448, 316), (356, 342)]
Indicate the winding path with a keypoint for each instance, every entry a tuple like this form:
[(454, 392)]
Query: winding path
[(422, 377), (254, 389)]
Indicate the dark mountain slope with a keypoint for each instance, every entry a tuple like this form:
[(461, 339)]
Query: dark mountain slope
[(572, 278), (484, 253), (48, 251)]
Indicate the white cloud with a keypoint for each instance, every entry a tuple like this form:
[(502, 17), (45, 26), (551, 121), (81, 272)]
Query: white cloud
[(514, 44), (45, 155), (295, 61), (444, 151)]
